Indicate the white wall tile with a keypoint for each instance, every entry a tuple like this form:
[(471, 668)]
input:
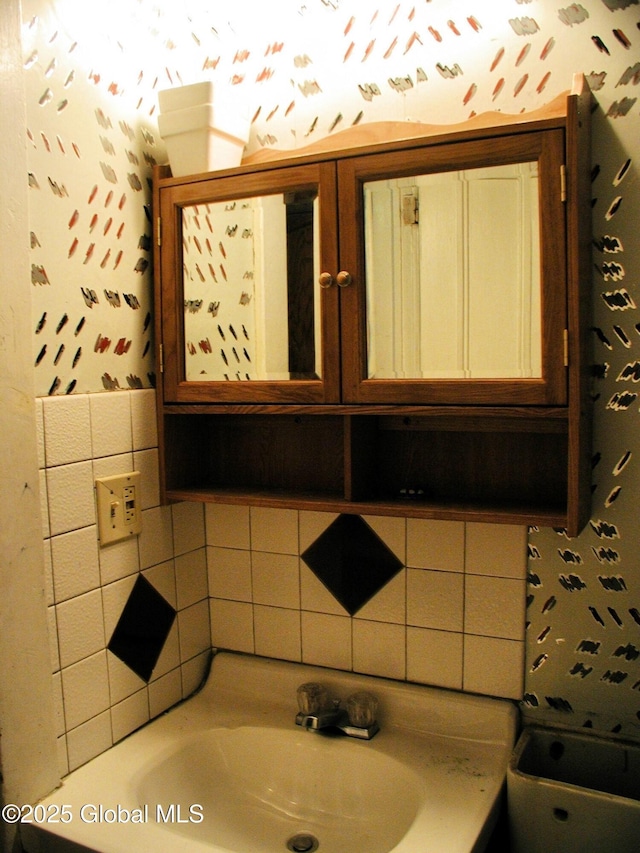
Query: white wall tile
[(193, 672), (276, 579), (119, 560), (392, 531), (146, 462), (88, 740), (435, 657), (170, 655), (80, 627), (232, 625), (496, 549), (85, 688), (193, 627), (129, 715), (188, 527), (76, 567), (109, 466), (111, 423), (48, 571), (156, 540), (229, 572), (494, 607), (163, 578), (143, 419), (123, 681), (274, 530), (67, 429), (42, 460), (58, 703), (326, 640), (494, 667), (388, 605), (71, 501), (191, 578), (312, 524), (44, 503), (435, 544), (228, 526), (53, 638), (435, 599), (277, 633), (379, 649), (165, 692), (114, 598)]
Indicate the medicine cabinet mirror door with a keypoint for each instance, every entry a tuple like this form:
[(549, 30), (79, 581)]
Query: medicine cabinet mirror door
[(245, 319), (458, 261)]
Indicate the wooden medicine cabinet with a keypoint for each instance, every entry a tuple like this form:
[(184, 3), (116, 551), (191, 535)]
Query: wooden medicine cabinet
[(394, 328)]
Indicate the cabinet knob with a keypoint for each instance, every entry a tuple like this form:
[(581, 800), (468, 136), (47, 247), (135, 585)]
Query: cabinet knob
[(326, 279), (343, 279)]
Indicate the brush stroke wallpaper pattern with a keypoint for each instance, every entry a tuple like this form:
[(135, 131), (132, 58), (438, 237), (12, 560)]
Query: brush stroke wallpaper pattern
[(303, 70)]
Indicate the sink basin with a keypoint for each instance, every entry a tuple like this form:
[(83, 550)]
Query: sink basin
[(228, 771), (260, 787)]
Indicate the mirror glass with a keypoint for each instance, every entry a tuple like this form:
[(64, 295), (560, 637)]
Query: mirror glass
[(251, 307), (453, 274)]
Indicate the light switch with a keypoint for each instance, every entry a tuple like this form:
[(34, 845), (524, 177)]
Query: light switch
[(118, 507)]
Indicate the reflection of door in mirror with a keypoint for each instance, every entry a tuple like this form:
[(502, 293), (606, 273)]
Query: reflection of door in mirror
[(453, 274), (250, 303)]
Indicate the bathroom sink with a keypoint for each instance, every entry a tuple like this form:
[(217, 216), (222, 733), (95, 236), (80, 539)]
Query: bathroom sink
[(260, 787), (229, 771)]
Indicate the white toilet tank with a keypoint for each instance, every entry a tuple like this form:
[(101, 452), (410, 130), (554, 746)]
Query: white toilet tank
[(572, 791)]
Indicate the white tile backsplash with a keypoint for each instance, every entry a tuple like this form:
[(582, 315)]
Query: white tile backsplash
[(435, 657), (276, 579), (191, 578), (274, 530), (80, 627), (496, 549), (143, 419), (188, 527), (277, 632), (435, 599), (454, 617), (67, 429), (232, 625), (70, 497), (99, 698), (228, 526), (435, 544), (76, 565), (229, 571), (111, 431), (326, 640), (85, 688)]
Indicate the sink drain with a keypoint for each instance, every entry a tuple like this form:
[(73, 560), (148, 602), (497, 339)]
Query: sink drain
[(303, 842)]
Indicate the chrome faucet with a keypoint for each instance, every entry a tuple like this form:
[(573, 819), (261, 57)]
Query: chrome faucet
[(318, 712)]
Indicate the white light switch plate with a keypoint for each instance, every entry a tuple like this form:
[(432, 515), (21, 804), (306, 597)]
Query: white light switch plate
[(118, 507)]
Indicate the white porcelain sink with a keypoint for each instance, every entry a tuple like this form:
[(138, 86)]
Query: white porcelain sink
[(261, 786), (229, 770)]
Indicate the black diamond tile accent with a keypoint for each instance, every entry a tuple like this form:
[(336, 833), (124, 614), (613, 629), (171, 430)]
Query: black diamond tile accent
[(143, 628), (351, 561)]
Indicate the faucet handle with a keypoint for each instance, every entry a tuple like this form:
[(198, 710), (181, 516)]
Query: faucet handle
[(312, 697), (361, 709)]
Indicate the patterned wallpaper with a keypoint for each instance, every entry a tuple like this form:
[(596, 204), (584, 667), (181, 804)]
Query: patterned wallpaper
[(303, 70)]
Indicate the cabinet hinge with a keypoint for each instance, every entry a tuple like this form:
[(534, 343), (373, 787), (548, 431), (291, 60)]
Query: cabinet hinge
[(566, 347), (563, 183), (159, 231), (161, 354)]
